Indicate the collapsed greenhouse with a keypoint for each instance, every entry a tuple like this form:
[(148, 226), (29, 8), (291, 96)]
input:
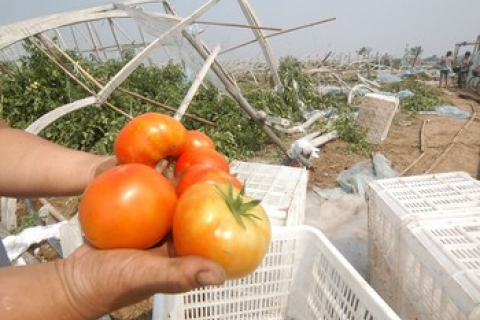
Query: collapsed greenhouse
[(344, 152)]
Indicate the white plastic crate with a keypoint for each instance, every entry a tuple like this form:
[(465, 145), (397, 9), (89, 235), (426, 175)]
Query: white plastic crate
[(395, 203), (440, 270), (282, 189), (302, 277), (376, 115)]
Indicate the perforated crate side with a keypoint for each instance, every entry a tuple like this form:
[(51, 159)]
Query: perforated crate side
[(440, 267), (303, 277), (381, 276), (382, 254), (261, 295), (376, 114), (427, 196), (395, 203), (296, 212), (282, 189)]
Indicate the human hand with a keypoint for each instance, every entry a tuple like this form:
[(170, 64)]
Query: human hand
[(102, 281)]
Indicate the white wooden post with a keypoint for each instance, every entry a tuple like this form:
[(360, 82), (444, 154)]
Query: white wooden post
[(8, 208), (267, 50), (196, 84)]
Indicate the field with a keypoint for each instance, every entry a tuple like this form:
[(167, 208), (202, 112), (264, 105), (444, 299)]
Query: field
[(448, 144), (456, 141), (402, 146)]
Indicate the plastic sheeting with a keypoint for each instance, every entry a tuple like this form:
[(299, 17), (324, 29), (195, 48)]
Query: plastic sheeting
[(334, 90), (324, 90), (450, 111), (388, 77), (400, 94), (355, 180), (16, 245), (341, 213)]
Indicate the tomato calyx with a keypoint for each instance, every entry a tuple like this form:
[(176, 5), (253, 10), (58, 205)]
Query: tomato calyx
[(237, 205)]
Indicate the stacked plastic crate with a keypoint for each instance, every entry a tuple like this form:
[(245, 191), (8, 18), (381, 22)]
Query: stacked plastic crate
[(282, 189), (302, 277), (424, 245)]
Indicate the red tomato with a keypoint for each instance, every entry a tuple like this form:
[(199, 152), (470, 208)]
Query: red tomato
[(204, 156), (128, 206), (149, 138), (200, 173), (205, 225), (197, 139)]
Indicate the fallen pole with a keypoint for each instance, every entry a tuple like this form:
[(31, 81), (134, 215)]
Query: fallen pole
[(233, 89), (100, 84), (453, 142), (196, 84), (279, 34)]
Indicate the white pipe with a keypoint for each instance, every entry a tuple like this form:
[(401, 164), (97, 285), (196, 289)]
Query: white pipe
[(135, 62), (196, 84)]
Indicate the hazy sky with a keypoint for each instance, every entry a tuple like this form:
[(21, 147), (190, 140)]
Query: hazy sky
[(383, 25)]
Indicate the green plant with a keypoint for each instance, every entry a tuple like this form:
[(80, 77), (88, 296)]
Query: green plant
[(28, 220), (426, 96), (354, 135), (38, 86)]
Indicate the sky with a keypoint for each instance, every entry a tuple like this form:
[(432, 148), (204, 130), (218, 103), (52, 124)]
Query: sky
[(386, 26)]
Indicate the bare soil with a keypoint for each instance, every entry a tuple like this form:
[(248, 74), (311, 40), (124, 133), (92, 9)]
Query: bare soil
[(449, 145), (460, 152)]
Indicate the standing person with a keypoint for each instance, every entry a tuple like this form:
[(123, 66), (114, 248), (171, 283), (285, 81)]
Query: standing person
[(445, 68), (465, 65), (89, 283)]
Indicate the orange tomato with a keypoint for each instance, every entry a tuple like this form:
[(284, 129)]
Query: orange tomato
[(149, 138), (200, 173), (201, 156), (220, 223), (128, 206), (197, 139)]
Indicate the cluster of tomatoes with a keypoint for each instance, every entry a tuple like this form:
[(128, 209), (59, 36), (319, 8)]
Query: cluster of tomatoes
[(203, 206)]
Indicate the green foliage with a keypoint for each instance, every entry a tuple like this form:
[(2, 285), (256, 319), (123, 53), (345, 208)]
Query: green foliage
[(291, 72), (426, 96), (364, 51), (236, 135), (27, 221), (38, 86), (349, 132)]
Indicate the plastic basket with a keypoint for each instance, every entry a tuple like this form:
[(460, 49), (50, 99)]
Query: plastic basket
[(302, 277), (440, 270), (282, 189), (376, 114), (395, 203)]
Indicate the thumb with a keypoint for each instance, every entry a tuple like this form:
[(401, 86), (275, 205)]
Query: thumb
[(182, 274)]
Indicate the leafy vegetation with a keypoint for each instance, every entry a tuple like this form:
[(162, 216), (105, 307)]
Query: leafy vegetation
[(37, 85), (426, 96), (356, 137), (28, 220)]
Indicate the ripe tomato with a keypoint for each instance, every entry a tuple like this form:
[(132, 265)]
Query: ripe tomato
[(128, 206), (197, 139), (205, 225), (149, 138), (204, 156), (201, 173)]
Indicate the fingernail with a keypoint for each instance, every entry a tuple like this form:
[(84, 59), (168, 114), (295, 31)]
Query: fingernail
[(209, 278)]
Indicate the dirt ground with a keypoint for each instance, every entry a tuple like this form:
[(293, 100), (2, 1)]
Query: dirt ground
[(450, 144), (445, 149)]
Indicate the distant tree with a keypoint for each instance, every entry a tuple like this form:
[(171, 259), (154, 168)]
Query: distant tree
[(364, 51), (415, 52)]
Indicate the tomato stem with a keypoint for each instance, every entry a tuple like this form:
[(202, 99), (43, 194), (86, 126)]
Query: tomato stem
[(238, 206)]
